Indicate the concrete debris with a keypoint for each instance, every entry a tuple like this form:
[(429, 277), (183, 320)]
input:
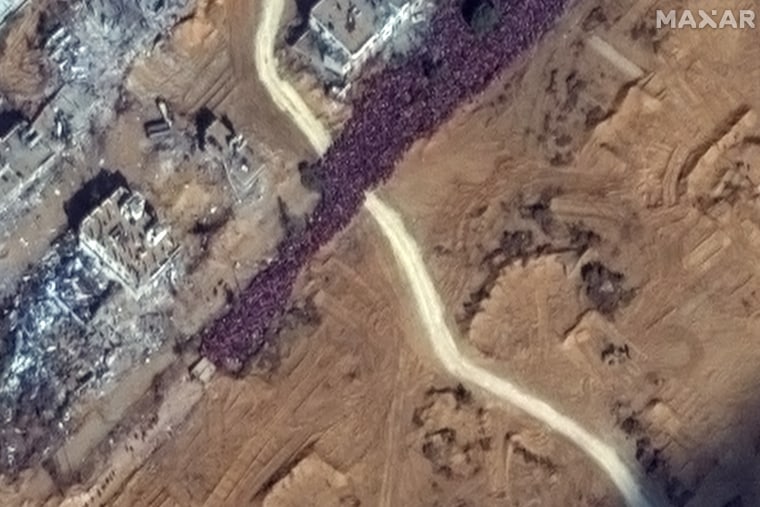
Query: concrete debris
[(69, 327), (74, 321), (221, 145)]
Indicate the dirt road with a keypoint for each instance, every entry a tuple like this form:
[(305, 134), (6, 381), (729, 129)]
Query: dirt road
[(283, 94), (443, 343), (426, 297)]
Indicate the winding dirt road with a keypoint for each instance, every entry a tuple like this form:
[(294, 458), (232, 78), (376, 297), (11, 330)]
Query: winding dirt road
[(285, 97), (426, 297), (430, 308)]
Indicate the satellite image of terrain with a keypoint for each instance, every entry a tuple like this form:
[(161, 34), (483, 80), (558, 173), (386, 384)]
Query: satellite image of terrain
[(393, 253)]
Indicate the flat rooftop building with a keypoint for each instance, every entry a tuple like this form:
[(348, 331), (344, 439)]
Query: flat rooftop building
[(124, 233), (8, 7), (349, 32)]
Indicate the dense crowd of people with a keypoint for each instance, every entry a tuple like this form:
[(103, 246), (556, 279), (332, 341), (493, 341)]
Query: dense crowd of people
[(398, 106)]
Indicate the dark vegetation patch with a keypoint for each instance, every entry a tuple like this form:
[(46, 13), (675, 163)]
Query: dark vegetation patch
[(480, 15), (532, 458), (301, 25), (310, 177), (594, 19), (461, 394), (652, 459), (453, 452)]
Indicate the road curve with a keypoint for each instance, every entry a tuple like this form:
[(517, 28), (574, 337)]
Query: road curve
[(426, 297), (285, 97), (457, 364)]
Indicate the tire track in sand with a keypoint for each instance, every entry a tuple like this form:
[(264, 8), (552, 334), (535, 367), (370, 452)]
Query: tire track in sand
[(428, 302)]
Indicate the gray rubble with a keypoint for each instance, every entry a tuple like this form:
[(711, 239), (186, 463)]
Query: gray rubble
[(69, 327)]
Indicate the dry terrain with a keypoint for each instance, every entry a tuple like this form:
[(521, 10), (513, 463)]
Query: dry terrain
[(352, 414), (592, 224)]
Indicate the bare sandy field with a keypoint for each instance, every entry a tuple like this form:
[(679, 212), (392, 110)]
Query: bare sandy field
[(349, 412), (592, 223)]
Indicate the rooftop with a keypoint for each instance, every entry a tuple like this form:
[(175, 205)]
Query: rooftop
[(8, 7), (124, 233), (353, 22)]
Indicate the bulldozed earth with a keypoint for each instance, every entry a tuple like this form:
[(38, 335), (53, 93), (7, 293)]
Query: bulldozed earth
[(592, 224)]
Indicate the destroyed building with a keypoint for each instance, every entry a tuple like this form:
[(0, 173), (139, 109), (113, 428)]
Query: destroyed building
[(344, 34), (25, 156), (8, 7), (49, 353), (126, 236), (219, 141), (89, 45), (69, 328)]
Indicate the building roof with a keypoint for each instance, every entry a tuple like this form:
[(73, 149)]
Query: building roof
[(352, 22), (8, 7), (24, 155), (123, 231)]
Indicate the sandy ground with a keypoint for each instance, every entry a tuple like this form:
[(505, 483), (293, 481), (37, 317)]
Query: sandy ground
[(662, 175), (444, 344), (613, 143), (354, 415)]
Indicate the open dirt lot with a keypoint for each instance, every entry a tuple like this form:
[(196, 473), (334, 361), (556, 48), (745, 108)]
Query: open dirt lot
[(354, 415), (592, 223)]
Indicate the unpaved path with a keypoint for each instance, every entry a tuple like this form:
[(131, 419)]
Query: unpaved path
[(444, 345), (426, 297), (283, 94)]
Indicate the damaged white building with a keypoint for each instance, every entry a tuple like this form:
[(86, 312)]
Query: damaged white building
[(344, 34), (124, 233), (8, 7)]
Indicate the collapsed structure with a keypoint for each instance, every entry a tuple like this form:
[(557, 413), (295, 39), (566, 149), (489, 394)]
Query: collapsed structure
[(78, 317), (24, 156), (125, 235), (231, 150), (69, 327)]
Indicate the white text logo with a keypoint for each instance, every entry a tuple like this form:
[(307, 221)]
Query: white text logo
[(706, 19)]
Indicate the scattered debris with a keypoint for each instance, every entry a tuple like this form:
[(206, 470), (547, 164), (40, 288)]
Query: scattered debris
[(605, 288)]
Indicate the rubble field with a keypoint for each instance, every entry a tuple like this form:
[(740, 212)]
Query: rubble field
[(78, 332)]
